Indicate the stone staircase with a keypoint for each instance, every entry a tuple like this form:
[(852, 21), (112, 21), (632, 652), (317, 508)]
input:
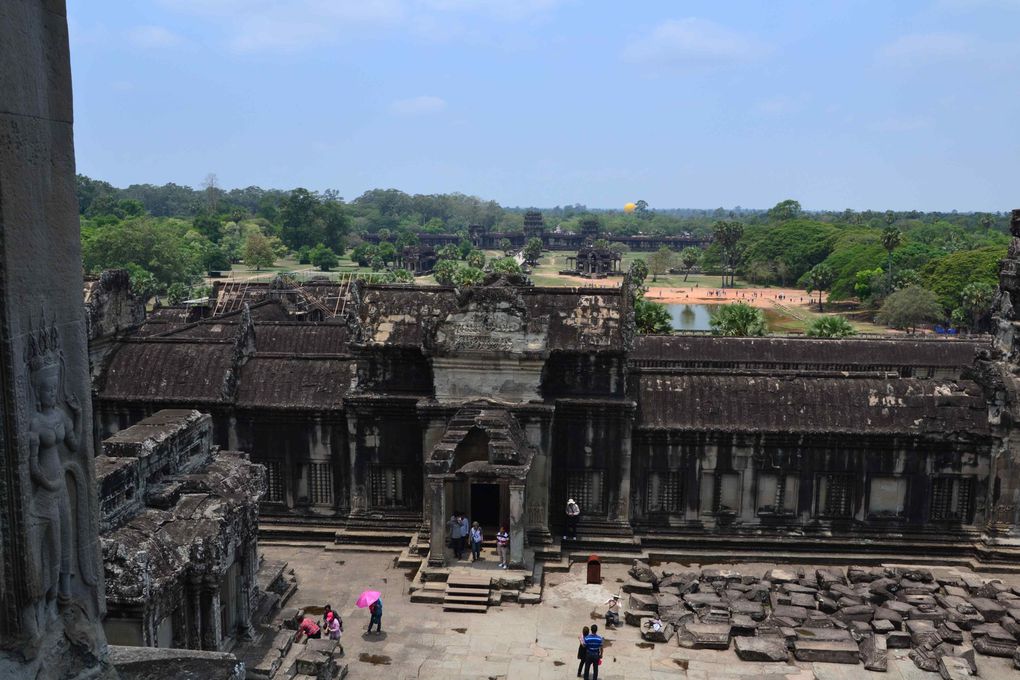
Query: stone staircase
[(466, 593)]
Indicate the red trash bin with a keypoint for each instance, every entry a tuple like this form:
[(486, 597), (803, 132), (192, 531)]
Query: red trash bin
[(594, 569)]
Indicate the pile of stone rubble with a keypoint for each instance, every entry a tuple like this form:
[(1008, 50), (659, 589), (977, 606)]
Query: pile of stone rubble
[(830, 615)]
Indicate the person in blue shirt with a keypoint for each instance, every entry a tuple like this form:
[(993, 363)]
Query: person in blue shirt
[(375, 609), (593, 649)]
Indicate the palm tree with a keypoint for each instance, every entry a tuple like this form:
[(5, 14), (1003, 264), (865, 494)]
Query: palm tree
[(891, 240), (738, 320), (689, 257), (820, 278)]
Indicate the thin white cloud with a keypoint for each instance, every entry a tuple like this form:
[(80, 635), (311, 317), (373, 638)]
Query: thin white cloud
[(781, 105), (692, 42), (923, 48), (153, 37), (270, 25), (972, 5), (502, 9), (418, 106)]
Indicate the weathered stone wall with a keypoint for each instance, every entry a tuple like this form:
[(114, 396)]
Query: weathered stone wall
[(51, 587)]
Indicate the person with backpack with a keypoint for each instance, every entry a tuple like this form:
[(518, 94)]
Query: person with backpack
[(375, 609), (334, 626)]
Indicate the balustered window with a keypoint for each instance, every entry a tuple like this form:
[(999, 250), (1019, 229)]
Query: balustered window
[(952, 499), (663, 492), (274, 482), (586, 487), (387, 486), (320, 483), (836, 495)]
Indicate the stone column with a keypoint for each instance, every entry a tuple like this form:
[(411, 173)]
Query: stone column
[(51, 590), (247, 601), (622, 510), (516, 525), (194, 605), (212, 630), (437, 533)]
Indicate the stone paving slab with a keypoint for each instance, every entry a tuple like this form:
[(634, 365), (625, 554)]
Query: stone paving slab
[(518, 642)]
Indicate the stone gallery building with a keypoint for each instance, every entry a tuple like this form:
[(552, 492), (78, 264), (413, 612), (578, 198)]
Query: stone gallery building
[(179, 535), (504, 400)]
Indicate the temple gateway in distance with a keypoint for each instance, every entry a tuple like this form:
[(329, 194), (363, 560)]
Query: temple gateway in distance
[(380, 409)]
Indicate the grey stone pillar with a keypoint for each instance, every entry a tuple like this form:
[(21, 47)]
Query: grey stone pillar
[(247, 601), (622, 510), (517, 525), (194, 605), (437, 533), (212, 630), (51, 573)]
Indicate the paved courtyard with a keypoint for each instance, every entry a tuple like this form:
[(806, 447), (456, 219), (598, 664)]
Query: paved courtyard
[(530, 642)]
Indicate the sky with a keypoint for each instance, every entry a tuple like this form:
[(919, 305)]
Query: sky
[(861, 104)]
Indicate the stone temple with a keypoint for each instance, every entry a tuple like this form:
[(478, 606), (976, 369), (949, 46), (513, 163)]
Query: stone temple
[(141, 458), (380, 409)]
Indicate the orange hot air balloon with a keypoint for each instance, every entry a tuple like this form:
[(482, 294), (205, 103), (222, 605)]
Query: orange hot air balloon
[(629, 207)]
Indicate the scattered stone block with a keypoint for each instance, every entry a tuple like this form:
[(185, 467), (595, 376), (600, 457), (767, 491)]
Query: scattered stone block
[(990, 610), (827, 651), (635, 586), (898, 640), (893, 617), (633, 616), (803, 600), (781, 576), (640, 571), (827, 634), (742, 625), (860, 630), (289, 617), (704, 636), (790, 612), (922, 632), (753, 609), (644, 602), (771, 648), (953, 668), (951, 633), (827, 604), (874, 653), (664, 634), (882, 626), (861, 612)]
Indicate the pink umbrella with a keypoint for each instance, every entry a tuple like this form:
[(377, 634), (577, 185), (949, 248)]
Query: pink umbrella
[(367, 598)]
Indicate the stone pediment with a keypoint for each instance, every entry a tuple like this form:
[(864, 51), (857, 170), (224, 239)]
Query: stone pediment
[(482, 439), (491, 320)]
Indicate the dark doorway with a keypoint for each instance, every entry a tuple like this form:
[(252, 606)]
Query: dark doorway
[(485, 505)]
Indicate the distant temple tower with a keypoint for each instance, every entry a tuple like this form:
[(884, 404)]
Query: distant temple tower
[(534, 224), (590, 228)]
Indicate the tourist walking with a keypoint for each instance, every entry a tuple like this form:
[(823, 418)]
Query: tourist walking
[(581, 649), (476, 542), (503, 547), (375, 609), (464, 531), (592, 652), (455, 534), (334, 626), (573, 514)]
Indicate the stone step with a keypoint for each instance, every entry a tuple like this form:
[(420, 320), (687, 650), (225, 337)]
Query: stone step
[(363, 537), (473, 592), (470, 599), (463, 607), (453, 582), (426, 596)]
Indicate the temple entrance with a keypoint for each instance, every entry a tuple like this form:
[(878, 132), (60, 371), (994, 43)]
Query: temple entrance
[(485, 506)]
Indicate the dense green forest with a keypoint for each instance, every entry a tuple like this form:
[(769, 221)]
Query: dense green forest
[(169, 236)]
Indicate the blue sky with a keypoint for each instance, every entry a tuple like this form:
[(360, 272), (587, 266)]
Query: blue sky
[(840, 104)]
